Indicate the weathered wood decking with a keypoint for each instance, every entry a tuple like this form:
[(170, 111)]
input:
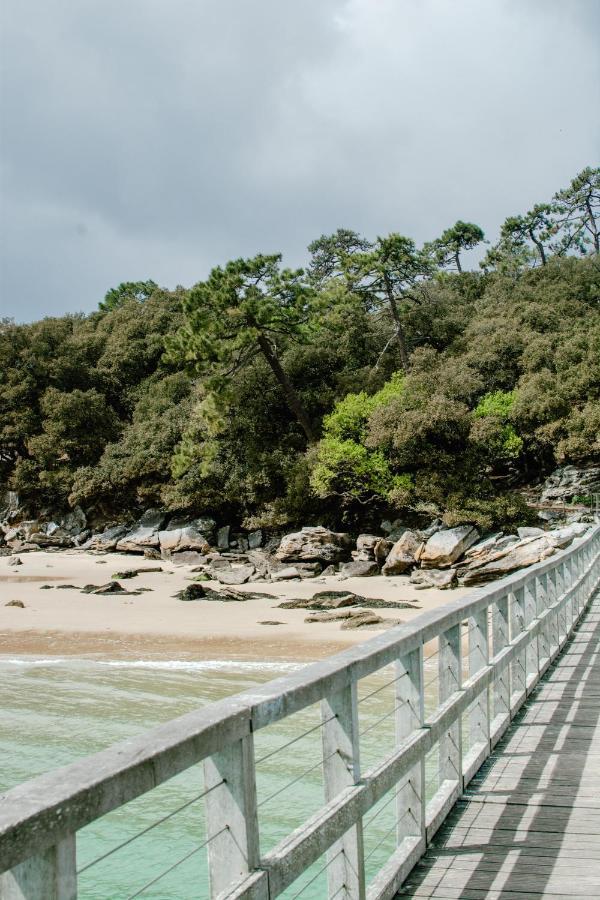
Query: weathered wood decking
[(529, 823)]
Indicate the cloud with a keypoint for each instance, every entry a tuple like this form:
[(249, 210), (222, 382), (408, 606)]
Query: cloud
[(153, 139)]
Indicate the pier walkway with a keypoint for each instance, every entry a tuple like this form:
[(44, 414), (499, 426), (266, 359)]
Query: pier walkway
[(529, 823), (455, 757)]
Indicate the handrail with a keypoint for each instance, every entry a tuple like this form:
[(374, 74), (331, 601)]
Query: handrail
[(44, 812)]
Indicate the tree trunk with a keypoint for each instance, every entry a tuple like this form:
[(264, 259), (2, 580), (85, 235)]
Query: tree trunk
[(457, 258), (592, 227), (540, 247), (400, 336), (293, 400)]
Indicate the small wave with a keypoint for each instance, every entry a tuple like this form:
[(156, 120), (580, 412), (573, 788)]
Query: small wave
[(33, 661), (206, 665)]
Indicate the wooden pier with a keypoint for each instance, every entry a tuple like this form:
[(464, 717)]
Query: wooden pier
[(529, 823), (492, 775)]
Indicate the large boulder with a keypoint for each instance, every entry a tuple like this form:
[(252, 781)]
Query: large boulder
[(74, 522), (365, 547), (443, 579), (145, 533), (51, 536), (183, 534), (445, 547), (403, 555), (314, 544), (562, 537), (106, 540), (359, 568), (503, 562), (239, 575)]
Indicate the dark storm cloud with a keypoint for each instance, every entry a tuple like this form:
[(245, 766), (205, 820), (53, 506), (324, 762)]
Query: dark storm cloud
[(152, 139)]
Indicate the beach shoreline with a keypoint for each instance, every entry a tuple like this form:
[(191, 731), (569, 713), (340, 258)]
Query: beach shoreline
[(155, 625)]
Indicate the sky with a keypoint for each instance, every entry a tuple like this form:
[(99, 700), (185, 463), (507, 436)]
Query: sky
[(153, 139)]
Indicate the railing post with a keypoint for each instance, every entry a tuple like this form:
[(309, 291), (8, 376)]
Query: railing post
[(479, 718), (341, 769), (50, 876), (231, 816), (500, 639), (532, 661), (450, 679), (517, 621), (563, 626), (410, 715), (541, 599), (553, 635)]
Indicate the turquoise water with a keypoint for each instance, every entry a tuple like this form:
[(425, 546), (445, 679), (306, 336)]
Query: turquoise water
[(57, 710)]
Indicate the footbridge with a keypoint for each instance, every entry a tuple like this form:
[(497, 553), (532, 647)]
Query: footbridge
[(457, 756)]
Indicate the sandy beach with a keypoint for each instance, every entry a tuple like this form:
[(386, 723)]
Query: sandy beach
[(156, 625)]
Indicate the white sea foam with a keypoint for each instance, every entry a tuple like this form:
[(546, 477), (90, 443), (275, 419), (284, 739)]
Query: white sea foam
[(206, 665)]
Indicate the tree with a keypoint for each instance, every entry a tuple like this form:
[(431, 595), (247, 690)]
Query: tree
[(384, 275), (250, 306), (127, 290), (330, 252), (578, 207), (454, 241), (536, 226)]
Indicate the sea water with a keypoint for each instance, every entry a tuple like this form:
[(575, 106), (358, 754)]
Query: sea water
[(55, 711)]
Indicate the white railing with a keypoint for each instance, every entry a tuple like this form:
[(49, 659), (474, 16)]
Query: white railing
[(491, 649)]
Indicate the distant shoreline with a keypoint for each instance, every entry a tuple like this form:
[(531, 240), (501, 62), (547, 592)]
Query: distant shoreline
[(156, 626)]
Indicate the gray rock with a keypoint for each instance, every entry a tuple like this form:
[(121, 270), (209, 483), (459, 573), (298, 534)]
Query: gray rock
[(74, 522), (445, 547), (255, 539), (239, 575), (17, 603), (223, 537), (111, 587), (443, 579), (14, 561), (365, 547), (145, 532), (484, 546), (526, 532), (426, 533), (403, 554), (186, 558), (55, 537), (179, 536), (316, 544), (361, 619), (285, 574), (108, 539), (381, 550), (328, 571), (503, 562), (562, 537), (359, 569)]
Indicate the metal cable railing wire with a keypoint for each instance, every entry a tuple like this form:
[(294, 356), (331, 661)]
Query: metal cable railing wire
[(295, 740), (160, 821), (181, 860), (316, 875)]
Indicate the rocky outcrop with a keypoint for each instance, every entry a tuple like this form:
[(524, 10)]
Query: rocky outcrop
[(568, 483), (403, 555), (145, 532), (445, 547), (314, 544)]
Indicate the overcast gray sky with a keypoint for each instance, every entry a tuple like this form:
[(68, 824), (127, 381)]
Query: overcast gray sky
[(155, 138)]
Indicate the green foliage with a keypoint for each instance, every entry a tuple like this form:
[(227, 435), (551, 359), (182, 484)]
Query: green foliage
[(429, 389), (454, 241)]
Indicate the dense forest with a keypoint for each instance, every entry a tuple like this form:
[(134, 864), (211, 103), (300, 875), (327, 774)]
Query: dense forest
[(385, 378)]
